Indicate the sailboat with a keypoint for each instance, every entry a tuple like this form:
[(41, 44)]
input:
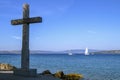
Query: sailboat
[(86, 51), (70, 53)]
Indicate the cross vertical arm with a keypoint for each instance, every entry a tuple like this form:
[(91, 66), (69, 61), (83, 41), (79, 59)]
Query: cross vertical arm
[(25, 41)]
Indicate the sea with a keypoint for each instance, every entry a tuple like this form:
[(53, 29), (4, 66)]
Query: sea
[(92, 67)]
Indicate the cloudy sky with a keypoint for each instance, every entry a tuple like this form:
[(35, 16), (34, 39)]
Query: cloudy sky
[(67, 24)]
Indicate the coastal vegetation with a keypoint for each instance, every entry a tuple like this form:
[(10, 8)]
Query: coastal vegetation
[(61, 75), (6, 67)]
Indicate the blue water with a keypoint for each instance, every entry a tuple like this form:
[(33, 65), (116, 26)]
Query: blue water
[(93, 67)]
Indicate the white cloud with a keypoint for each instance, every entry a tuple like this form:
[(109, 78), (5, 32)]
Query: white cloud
[(16, 37)]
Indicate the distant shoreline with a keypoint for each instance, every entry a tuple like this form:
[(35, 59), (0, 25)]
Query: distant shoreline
[(74, 51), (60, 54)]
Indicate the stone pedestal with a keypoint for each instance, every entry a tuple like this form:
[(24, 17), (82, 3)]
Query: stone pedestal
[(26, 73)]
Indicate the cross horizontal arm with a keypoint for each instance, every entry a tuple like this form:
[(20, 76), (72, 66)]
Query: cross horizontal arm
[(26, 21)]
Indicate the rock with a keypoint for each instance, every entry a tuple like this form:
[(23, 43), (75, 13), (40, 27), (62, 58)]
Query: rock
[(7, 67), (46, 72), (59, 74), (63, 76), (73, 77)]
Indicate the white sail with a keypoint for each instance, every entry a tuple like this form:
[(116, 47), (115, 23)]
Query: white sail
[(86, 51)]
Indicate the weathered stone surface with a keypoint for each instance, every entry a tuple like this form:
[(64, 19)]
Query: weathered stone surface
[(26, 73), (6, 67), (26, 20), (46, 72)]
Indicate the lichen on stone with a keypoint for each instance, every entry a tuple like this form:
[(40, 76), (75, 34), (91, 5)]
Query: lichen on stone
[(4, 66)]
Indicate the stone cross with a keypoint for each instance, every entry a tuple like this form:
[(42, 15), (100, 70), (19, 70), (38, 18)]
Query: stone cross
[(25, 36)]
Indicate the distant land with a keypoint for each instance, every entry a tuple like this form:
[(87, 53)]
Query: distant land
[(74, 51), (108, 52)]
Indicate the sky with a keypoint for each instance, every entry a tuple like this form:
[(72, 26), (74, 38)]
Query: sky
[(67, 24)]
